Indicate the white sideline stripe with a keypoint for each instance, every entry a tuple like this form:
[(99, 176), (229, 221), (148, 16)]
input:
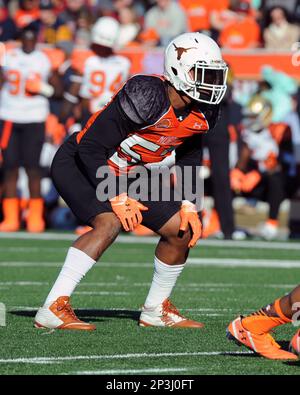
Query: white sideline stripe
[(130, 371), (23, 283), (153, 240), (43, 360), (218, 262), (232, 262)]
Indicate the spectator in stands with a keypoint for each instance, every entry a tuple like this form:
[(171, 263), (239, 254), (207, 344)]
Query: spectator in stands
[(243, 32), (280, 34), (137, 5), (129, 26), (72, 12), (83, 27), (198, 14), (220, 16), (52, 29), (7, 25), (292, 7), (28, 13), (167, 18)]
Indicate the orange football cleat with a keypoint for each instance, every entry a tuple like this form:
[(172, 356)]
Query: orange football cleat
[(35, 221), (60, 315), (166, 315), (11, 212), (82, 230), (263, 344), (295, 344), (211, 224)]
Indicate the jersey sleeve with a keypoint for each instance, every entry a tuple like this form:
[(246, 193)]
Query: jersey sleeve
[(144, 99), (100, 138)]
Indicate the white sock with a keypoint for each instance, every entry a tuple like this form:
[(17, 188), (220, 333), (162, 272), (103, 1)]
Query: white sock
[(164, 280), (76, 265)]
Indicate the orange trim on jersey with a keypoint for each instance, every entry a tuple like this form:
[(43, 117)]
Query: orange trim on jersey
[(6, 133), (87, 126), (233, 134), (277, 131), (95, 116)]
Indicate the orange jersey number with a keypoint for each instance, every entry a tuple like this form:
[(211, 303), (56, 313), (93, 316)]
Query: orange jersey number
[(98, 82), (14, 79)]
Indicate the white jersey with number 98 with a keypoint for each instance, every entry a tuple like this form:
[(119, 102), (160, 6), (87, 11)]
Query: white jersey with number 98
[(102, 77), (16, 104)]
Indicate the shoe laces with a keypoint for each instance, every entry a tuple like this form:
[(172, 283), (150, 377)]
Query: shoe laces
[(68, 309), (168, 307)]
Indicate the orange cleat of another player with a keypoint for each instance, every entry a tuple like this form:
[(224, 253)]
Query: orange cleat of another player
[(295, 344), (35, 221), (60, 315), (211, 225), (11, 212), (82, 230), (166, 315), (263, 343)]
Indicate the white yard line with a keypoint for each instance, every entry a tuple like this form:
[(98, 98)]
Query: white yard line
[(153, 240), (23, 283), (212, 262), (130, 371), (233, 262), (45, 360)]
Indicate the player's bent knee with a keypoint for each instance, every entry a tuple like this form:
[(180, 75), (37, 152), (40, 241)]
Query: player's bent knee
[(107, 225), (179, 242)]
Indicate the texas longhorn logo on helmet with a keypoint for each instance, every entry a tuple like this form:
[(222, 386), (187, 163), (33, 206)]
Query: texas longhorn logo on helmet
[(180, 50)]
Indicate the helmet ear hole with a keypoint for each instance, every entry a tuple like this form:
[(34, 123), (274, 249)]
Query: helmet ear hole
[(174, 70)]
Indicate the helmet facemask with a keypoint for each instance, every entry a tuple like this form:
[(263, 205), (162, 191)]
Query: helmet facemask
[(206, 83)]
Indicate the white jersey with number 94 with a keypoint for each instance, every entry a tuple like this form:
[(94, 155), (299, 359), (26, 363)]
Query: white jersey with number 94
[(102, 77)]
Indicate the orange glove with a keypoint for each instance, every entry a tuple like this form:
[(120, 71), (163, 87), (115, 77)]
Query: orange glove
[(236, 179), (128, 211), (271, 162), (189, 216), (33, 85), (251, 179)]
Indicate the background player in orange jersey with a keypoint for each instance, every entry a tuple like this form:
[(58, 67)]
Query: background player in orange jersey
[(254, 330), (150, 117)]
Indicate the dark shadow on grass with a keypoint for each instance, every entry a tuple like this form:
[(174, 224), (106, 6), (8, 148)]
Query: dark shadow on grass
[(284, 344), (292, 363), (89, 314)]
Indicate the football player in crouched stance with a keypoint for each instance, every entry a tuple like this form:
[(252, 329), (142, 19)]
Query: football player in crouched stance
[(145, 121), (253, 331)]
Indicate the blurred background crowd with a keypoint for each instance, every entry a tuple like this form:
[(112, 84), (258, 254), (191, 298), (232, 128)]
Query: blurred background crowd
[(272, 24), (251, 160)]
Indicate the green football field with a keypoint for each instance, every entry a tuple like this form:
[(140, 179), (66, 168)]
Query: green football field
[(220, 281)]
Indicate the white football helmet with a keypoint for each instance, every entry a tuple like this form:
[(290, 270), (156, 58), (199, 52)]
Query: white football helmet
[(105, 32), (194, 65)]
